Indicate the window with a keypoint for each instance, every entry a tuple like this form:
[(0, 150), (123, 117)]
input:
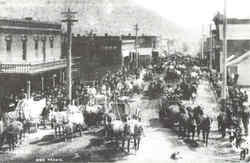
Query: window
[(24, 46), (8, 46), (8, 40), (44, 47), (51, 41), (36, 40), (36, 45)]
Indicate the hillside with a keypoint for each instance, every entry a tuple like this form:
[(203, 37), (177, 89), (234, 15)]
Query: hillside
[(102, 16)]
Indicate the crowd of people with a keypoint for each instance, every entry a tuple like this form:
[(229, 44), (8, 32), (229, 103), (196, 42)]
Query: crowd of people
[(111, 85), (234, 108)]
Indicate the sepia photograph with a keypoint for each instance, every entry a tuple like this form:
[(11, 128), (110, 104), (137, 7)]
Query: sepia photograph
[(124, 81)]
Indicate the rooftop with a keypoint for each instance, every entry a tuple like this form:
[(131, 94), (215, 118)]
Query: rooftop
[(28, 22), (218, 19)]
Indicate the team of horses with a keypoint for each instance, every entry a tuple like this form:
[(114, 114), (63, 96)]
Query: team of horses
[(125, 130), (11, 132), (188, 120), (70, 123)]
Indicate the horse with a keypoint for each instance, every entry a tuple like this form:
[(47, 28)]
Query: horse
[(45, 115), (205, 126), (186, 124), (11, 131), (68, 130), (68, 122), (245, 117), (28, 115), (75, 116), (58, 119), (225, 121), (198, 113), (171, 113), (94, 115), (119, 130), (136, 131)]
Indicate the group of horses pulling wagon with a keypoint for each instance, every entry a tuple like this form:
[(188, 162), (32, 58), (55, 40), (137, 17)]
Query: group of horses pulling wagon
[(125, 130), (67, 124), (28, 117), (187, 120), (173, 113)]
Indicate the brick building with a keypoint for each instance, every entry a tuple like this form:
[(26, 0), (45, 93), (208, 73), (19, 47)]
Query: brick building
[(98, 54)]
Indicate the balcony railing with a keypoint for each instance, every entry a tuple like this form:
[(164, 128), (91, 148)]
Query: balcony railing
[(30, 68)]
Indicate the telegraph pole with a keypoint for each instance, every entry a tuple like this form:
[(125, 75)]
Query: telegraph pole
[(69, 19), (224, 58), (202, 44), (211, 48), (136, 50)]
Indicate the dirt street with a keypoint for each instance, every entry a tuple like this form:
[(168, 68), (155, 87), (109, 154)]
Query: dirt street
[(157, 145)]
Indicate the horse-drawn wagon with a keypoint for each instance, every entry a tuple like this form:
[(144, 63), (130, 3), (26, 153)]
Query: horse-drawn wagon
[(169, 111), (125, 126)]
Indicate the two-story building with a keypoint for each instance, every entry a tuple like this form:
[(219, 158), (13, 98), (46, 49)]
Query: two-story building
[(30, 55), (145, 52), (99, 54), (238, 37)]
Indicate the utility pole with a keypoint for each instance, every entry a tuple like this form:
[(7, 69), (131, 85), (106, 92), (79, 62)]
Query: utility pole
[(69, 19), (224, 58), (211, 48), (136, 50), (202, 44)]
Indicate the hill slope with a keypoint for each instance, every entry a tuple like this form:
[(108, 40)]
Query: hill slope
[(102, 16)]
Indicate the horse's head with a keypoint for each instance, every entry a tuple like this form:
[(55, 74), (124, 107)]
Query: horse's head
[(138, 130)]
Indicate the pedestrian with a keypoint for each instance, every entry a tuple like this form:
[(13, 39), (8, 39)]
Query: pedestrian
[(243, 153)]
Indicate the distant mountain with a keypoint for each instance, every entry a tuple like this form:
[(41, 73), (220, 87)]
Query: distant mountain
[(103, 16)]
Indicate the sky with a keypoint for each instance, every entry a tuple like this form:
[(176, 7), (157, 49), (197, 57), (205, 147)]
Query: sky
[(190, 14), (195, 13)]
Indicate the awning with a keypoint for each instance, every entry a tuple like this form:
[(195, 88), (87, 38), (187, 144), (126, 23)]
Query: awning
[(239, 59), (229, 59)]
